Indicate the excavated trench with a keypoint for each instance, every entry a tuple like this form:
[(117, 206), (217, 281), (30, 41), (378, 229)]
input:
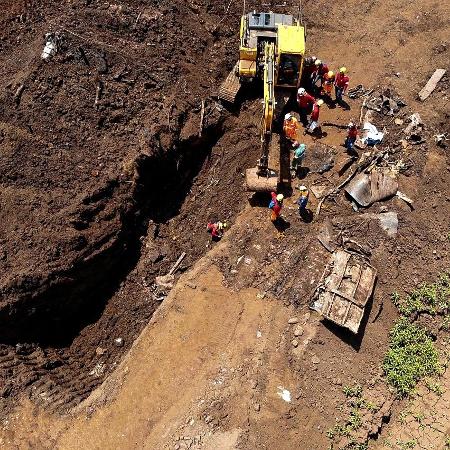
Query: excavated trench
[(60, 344), (78, 297)]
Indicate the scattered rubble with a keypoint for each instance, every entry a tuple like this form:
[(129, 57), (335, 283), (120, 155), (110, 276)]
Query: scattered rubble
[(52, 44)]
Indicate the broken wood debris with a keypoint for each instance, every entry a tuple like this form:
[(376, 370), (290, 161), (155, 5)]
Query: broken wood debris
[(18, 94), (344, 290), (83, 55), (202, 118), (431, 84), (177, 264), (98, 93), (405, 199)]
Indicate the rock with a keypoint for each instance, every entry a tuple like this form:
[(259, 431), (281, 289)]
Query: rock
[(398, 121), (306, 317), (191, 285), (292, 320), (100, 351), (253, 384), (119, 342), (257, 406), (298, 331), (295, 343), (315, 360)]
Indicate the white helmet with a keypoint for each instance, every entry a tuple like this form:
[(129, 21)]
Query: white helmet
[(351, 124), (287, 116), (303, 188), (301, 91)]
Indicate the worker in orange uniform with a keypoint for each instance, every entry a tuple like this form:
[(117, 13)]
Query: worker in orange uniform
[(290, 127), (341, 84), (305, 103), (328, 82), (313, 125), (275, 205)]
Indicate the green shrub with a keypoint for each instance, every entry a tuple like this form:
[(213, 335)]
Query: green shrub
[(411, 356), (431, 298)]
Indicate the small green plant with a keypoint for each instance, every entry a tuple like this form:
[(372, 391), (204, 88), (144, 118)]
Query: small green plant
[(447, 441), (410, 357), (357, 446), (355, 421), (407, 444), (355, 391), (431, 298), (434, 386), (446, 323), (403, 415)]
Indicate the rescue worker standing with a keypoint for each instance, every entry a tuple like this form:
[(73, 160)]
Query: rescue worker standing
[(299, 155), (321, 70), (305, 103), (290, 127), (328, 82), (352, 134), (275, 205), (303, 200), (309, 72), (341, 84), (313, 125)]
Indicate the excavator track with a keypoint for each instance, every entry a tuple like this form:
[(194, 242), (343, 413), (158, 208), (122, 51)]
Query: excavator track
[(230, 87)]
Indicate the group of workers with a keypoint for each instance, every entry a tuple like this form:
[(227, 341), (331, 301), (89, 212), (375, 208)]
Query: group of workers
[(318, 81), (276, 203)]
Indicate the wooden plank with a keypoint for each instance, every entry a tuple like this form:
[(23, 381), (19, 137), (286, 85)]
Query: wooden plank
[(177, 264), (431, 84)]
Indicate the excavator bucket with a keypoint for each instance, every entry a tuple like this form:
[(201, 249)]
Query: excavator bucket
[(230, 87), (257, 183)]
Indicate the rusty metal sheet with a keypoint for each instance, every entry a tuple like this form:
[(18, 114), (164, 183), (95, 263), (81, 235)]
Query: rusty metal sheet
[(369, 188), (344, 290)]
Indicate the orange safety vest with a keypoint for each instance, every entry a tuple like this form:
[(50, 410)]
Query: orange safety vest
[(290, 128)]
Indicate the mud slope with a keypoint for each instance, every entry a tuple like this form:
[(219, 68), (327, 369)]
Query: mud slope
[(98, 148)]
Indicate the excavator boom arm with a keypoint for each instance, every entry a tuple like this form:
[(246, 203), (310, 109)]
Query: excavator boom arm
[(268, 107)]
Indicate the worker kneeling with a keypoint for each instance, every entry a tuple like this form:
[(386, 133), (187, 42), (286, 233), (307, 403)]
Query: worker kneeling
[(275, 205), (216, 229)]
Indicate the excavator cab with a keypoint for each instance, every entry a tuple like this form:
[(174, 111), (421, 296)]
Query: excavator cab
[(291, 48)]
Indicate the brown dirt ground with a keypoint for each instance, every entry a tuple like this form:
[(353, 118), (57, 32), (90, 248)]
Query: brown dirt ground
[(209, 365)]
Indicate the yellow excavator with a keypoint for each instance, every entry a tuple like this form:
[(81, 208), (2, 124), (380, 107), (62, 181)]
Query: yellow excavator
[(272, 48)]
